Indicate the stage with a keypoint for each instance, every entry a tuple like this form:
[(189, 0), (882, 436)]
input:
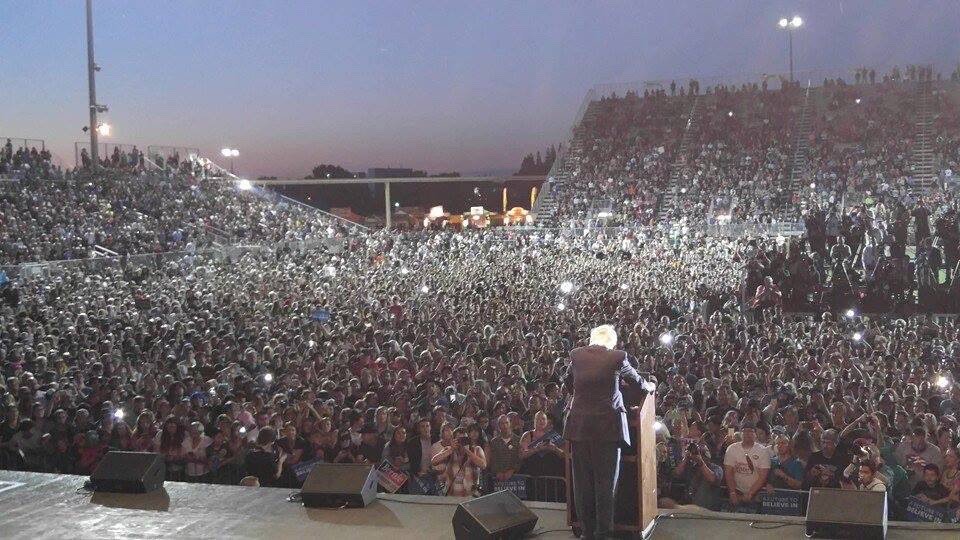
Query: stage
[(685, 524), (37, 505)]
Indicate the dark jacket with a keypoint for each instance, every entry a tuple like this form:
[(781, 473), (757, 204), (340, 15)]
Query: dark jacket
[(415, 453), (597, 411)]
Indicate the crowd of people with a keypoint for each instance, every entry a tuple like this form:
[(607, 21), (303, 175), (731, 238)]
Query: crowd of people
[(134, 212), (741, 144), (445, 355), (26, 162), (780, 363)]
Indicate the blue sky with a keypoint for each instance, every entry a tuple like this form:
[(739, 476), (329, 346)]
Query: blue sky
[(432, 85)]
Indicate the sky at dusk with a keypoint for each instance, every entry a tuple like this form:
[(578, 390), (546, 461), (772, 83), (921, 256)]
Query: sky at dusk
[(430, 85)]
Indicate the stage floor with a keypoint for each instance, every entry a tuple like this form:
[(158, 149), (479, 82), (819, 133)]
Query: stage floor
[(36, 505), (689, 524)]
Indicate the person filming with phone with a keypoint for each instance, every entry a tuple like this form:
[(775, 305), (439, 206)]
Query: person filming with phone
[(460, 464)]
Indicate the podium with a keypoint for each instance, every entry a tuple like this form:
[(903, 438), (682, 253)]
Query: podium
[(637, 490)]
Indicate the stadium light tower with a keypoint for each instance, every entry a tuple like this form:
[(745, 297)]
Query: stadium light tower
[(95, 128), (790, 25), (230, 153)]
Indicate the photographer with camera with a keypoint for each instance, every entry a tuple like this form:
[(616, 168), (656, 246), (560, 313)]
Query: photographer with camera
[(697, 478), (461, 464)]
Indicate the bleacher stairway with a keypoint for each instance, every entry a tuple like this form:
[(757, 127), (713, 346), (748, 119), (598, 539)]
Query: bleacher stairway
[(545, 207), (669, 199), (922, 161), (798, 162)]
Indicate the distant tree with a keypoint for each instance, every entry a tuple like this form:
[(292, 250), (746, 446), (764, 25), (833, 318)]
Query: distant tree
[(450, 174), (536, 164), (329, 171)]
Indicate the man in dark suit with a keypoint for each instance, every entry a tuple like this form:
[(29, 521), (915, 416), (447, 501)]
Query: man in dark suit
[(597, 427)]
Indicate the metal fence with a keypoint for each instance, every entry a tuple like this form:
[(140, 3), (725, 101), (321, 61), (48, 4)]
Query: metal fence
[(161, 154), (19, 142), (105, 151), (774, 80)]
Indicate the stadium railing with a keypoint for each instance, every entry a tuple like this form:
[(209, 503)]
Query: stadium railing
[(19, 142)]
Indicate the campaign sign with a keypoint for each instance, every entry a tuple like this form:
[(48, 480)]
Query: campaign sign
[(783, 502), (301, 470), (390, 478), (516, 484), (424, 485), (551, 437), (917, 510)]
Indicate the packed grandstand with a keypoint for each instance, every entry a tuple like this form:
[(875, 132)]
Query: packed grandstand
[(780, 258)]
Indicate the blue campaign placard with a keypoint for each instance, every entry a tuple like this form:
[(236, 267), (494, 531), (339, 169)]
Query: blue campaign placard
[(784, 502), (516, 484), (917, 510)]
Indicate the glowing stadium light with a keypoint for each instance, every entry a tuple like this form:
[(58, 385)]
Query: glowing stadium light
[(857, 101), (813, 185), (796, 22), (851, 313), (561, 306), (857, 336), (943, 382), (783, 23), (666, 339), (229, 152), (268, 377), (118, 414), (730, 114), (104, 129), (683, 190), (566, 287), (244, 185)]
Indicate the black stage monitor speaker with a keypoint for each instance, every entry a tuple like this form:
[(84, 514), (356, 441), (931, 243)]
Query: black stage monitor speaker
[(129, 472), (498, 515), (844, 513), (336, 485)]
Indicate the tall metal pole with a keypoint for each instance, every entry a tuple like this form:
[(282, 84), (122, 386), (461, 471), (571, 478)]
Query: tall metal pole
[(91, 78), (789, 33), (386, 202)]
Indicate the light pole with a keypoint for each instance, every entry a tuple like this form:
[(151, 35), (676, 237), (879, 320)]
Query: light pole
[(791, 25), (92, 68), (230, 153)]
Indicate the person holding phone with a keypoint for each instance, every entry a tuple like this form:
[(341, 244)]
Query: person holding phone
[(460, 465)]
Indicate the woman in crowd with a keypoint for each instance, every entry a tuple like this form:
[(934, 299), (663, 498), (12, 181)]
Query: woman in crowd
[(461, 464)]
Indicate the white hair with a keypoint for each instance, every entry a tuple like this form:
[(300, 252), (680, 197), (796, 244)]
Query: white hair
[(604, 335)]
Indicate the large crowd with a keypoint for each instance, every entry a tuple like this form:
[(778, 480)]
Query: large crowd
[(780, 363), (732, 148), (445, 354), (133, 211)]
